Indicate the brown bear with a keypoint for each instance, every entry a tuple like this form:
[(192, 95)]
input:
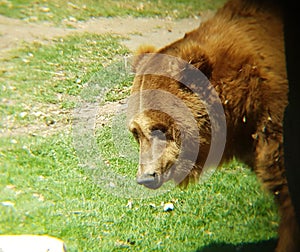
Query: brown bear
[(240, 50)]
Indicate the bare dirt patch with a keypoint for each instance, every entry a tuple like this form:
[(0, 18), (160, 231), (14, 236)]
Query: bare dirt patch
[(138, 30)]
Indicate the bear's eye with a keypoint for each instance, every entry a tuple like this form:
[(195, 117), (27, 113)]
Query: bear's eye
[(159, 132)]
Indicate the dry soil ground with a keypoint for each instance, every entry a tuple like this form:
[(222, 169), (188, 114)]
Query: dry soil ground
[(154, 31)]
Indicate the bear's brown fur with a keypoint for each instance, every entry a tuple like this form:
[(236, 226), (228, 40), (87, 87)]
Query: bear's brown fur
[(241, 52)]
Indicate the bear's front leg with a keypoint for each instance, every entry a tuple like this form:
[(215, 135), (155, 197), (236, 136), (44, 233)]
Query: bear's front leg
[(269, 167)]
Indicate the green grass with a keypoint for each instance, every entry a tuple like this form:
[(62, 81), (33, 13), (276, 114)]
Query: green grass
[(63, 11), (44, 191), (62, 67), (55, 74)]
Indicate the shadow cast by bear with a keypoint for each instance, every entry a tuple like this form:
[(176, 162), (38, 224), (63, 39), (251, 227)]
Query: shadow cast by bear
[(263, 246)]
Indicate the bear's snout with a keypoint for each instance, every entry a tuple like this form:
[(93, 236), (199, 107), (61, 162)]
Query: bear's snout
[(150, 180)]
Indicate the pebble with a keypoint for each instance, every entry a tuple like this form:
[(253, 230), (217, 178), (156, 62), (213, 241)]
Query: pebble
[(23, 114), (7, 204), (168, 207)]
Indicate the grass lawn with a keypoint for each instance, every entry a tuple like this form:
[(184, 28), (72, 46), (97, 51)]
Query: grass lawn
[(44, 191), (47, 188), (38, 76)]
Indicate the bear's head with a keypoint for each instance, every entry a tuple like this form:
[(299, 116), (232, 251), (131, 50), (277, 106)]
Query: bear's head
[(167, 117)]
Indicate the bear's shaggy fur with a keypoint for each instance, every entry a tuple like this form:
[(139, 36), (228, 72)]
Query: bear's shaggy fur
[(241, 51)]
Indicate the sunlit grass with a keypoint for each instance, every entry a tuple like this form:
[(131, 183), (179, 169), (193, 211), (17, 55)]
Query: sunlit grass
[(55, 74), (44, 191)]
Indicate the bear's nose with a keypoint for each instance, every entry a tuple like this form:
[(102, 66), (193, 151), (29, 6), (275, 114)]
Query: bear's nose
[(152, 180), (146, 179)]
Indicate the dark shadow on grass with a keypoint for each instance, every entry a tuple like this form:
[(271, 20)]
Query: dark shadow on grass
[(263, 246)]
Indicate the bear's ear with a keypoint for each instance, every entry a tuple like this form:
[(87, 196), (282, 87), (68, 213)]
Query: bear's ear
[(139, 55), (203, 64), (145, 49), (196, 56)]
